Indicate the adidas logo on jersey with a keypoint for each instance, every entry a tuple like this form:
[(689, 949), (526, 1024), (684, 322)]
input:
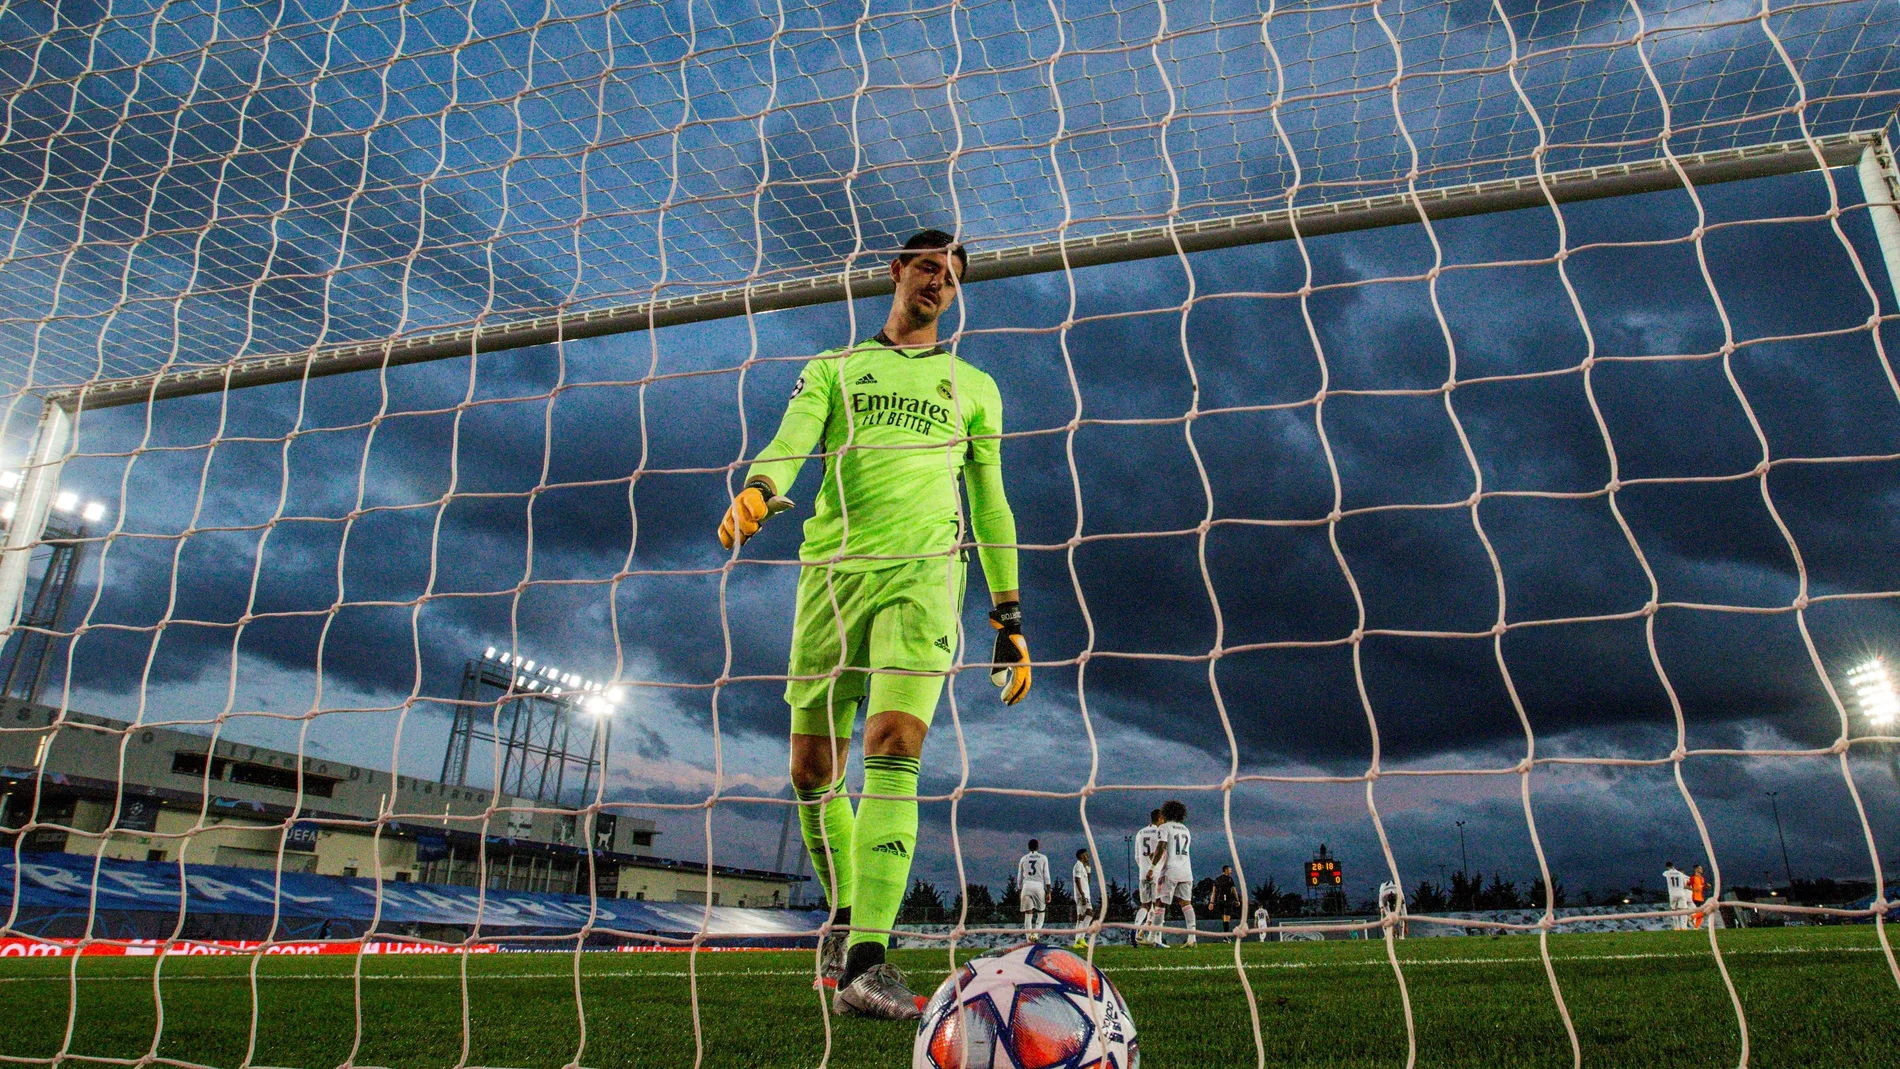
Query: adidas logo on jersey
[(943, 643), (866, 379), (895, 846)]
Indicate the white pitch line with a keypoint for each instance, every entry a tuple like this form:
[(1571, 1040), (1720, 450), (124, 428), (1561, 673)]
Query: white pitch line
[(709, 974)]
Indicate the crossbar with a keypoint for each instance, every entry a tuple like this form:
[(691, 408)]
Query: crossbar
[(1392, 209)]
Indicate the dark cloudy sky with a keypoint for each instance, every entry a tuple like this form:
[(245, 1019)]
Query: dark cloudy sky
[(1589, 689), (1192, 605)]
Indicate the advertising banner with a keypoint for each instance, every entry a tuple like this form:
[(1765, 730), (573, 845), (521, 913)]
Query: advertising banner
[(138, 814), (65, 882), (302, 837), (431, 848), (148, 948)]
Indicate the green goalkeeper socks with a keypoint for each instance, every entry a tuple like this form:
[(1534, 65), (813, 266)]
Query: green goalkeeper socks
[(886, 837), (828, 834)]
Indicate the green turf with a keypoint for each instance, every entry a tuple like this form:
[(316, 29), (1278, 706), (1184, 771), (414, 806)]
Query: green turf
[(1812, 997)]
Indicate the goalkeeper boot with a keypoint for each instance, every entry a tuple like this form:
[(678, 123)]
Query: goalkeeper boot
[(878, 992), (831, 957)]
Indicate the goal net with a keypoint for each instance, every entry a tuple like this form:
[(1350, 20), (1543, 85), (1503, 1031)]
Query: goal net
[(1459, 434)]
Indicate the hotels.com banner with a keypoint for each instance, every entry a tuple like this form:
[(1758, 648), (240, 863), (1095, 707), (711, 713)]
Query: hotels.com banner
[(147, 948)]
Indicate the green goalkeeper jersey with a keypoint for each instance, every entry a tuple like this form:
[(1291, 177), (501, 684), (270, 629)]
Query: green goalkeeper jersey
[(898, 427)]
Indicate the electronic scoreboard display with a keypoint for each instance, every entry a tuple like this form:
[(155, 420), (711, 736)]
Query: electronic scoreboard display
[(1324, 872)]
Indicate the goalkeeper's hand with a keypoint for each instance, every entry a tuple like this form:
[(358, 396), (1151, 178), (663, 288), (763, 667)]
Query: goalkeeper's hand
[(754, 505), (1009, 663)]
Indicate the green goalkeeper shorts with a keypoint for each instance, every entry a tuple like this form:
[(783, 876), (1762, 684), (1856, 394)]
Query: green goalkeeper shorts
[(902, 617)]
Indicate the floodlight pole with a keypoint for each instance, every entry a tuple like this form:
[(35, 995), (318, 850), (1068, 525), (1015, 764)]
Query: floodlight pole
[(39, 484), (1880, 187), (1786, 869)]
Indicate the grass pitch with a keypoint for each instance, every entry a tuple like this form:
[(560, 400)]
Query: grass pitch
[(1812, 997)]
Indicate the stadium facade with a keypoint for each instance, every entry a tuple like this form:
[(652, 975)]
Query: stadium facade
[(178, 796)]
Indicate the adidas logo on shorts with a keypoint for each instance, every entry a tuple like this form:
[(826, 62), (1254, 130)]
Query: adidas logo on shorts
[(866, 379), (943, 643), (895, 846)]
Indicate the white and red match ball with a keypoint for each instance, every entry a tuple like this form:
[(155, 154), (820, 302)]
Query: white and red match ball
[(1028, 1007)]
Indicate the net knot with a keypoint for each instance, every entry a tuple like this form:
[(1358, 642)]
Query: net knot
[(1650, 607), (1613, 485), (1800, 602)]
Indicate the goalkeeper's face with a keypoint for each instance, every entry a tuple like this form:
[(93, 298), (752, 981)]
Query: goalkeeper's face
[(926, 286)]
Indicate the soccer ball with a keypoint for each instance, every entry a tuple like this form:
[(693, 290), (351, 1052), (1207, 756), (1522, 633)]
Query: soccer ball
[(1028, 1007)]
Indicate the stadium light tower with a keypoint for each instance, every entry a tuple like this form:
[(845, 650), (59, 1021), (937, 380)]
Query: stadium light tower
[(544, 724), (1879, 705)]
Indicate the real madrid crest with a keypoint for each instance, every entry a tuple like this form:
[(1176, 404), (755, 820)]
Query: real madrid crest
[(943, 390)]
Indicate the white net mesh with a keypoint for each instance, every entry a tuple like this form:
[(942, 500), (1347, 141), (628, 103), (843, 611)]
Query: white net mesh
[(1365, 523), (193, 184)]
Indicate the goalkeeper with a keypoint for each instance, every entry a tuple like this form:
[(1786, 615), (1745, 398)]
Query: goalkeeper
[(902, 423)]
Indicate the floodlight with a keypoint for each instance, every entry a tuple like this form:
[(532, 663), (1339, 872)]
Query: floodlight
[(616, 695), (9, 479), (93, 512), (599, 707), (490, 654), (529, 665), (1874, 693), (6, 511), (521, 681), (65, 501)]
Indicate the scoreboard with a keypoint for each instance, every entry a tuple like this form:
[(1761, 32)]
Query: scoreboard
[(1324, 872)]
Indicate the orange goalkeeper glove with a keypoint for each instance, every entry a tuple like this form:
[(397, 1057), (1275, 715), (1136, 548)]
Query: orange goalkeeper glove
[(754, 505), (1009, 662)]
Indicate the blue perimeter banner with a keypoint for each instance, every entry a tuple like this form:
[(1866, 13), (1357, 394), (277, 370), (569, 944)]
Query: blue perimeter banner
[(65, 882)]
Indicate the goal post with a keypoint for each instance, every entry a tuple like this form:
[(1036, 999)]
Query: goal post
[(32, 503), (1880, 189)]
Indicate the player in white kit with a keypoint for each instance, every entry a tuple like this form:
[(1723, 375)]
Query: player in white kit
[(1260, 920), (1677, 882), (1032, 887), (1176, 880), (1392, 901), (1145, 840), (1084, 896)]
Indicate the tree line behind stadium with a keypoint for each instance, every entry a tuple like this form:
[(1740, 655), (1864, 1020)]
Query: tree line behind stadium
[(926, 903)]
